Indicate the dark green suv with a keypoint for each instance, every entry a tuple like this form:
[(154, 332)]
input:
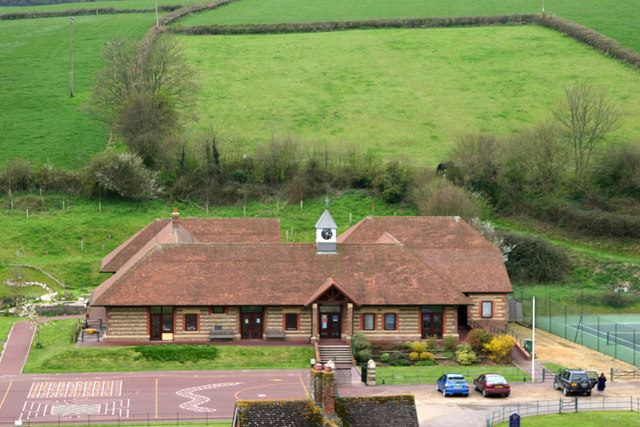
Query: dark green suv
[(573, 381)]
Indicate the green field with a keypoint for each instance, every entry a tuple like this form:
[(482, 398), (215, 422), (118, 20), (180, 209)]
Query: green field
[(617, 19), (397, 91), (61, 355), (40, 121)]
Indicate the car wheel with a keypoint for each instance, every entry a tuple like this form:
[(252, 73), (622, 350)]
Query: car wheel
[(565, 391), (475, 387), (466, 395), (556, 386), (445, 394), (506, 395), (588, 393), (484, 392)]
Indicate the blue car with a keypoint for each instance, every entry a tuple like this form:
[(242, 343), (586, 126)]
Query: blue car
[(450, 384)]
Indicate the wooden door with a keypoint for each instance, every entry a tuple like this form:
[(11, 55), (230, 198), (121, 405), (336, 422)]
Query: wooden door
[(156, 326), (252, 325), (330, 325), (431, 324)]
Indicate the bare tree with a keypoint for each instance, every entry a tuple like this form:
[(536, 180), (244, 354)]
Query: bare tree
[(141, 91), (588, 114)]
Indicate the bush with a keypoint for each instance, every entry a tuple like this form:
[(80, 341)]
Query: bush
[(427, 356), (419, 347), (414, 356), (432, 343), (465, 355), (384, 357), (406, 345), (176, 352), (442, 198), (360, 342), (448, 354), (425, 363), (364, 355), (618, 170), (449, 343), (121, 174), (392, 183), (477, 338), (534, 259), (499, 348), (399, 362)]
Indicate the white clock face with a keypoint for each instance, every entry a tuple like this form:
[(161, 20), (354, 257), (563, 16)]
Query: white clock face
[(326, 233)]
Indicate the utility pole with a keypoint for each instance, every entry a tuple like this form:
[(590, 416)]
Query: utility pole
[(71, 55), (156, 14)]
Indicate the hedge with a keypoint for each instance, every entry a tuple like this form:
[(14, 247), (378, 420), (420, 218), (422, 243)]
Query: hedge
[(77, 12)]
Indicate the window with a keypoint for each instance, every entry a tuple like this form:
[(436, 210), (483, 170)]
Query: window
[(369, 321), (390, 321), (487, 308), (218, 309), (190, 322), (291, 321)]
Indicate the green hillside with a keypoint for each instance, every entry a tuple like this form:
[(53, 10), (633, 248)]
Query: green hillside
[(398, 91)]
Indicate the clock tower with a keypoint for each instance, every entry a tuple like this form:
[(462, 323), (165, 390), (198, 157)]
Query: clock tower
[(326, 230)]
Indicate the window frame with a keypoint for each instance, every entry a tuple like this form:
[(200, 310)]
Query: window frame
[(364, 322), (288, 316), (194, 317), (395, 321), (482, 309)]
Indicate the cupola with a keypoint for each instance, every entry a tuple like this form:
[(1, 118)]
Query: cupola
[(326, 229)]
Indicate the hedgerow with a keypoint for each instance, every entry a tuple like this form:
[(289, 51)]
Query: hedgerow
[(176, 352)]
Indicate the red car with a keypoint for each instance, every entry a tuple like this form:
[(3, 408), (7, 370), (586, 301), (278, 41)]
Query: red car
[(490, 384)]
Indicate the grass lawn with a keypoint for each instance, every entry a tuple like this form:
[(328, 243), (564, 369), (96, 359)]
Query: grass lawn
[(430, 374), (399, 92), (6, 322), (553, 367), (60, 355), (70, 244), (583, 419), (39, 120), (615, 18)]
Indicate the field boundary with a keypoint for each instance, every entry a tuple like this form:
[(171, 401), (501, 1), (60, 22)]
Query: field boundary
[(580, 33), (82, 11)]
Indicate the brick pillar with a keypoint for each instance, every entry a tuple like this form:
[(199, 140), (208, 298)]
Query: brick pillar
[(329, 392), (349, 321), (316, 386), (314, 321)]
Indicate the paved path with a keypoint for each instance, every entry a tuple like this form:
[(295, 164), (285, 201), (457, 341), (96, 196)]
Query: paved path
[(16, 349)]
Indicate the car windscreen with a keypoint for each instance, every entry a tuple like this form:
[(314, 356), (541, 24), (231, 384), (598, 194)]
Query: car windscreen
[(496, 379)]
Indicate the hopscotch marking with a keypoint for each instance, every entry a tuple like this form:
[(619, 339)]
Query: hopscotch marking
[(196, 400), (69, 389)]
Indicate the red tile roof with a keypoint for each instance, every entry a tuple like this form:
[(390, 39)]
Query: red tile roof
[(192, 230), (274, 274), (448, 245)]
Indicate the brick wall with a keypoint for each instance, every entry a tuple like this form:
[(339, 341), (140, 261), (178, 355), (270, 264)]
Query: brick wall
[(129, 324), (275, 320), (407, 323), (499, 306)]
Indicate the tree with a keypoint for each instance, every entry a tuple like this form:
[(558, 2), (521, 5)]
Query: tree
[(587, 114), (141, 91)]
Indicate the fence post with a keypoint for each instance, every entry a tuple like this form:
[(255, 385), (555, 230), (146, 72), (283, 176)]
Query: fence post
[(576, 403), (615, 340), (611, 375), (598, 340), (560, 406)]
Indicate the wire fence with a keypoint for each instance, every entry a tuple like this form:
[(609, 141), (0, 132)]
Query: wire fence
[(562, 406), (615, 335)]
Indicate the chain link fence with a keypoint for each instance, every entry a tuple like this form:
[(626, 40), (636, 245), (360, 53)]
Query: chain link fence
[(617, 335)]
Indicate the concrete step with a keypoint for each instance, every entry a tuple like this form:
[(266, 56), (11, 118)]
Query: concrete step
[(337, 353)]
